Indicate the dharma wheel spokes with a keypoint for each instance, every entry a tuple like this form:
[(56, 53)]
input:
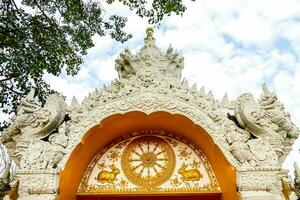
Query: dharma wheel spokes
[(148, 161)]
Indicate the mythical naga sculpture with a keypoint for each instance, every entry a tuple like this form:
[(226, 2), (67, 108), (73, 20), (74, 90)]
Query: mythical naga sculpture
[(33, 121), (266, 119)]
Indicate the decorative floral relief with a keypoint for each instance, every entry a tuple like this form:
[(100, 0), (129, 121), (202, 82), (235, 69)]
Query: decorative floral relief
[(184, 154), (260, 180), (114, 155)]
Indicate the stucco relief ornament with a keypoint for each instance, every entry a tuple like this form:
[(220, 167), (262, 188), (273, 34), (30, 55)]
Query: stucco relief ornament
[(267, 120), (149, 70), (238, 146), (45, 155), (33, 122), (249, 152)]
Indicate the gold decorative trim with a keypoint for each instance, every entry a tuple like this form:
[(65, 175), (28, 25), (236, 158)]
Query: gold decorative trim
[(186, 190)]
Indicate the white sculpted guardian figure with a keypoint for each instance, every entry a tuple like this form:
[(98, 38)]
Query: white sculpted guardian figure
[(33, 122), (238, 145), (267, 119), (45, 155), (249, 152)]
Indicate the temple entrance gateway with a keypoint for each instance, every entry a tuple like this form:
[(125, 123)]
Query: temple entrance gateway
[(158, 154), (149, 134)]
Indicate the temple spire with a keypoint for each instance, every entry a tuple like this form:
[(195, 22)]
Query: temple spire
[(149, 39), (151, 60)]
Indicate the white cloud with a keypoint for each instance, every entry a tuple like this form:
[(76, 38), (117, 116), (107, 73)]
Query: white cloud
[(278, 10), (4, 117), (249, 28), (69, 88), (106, 69), (102, 45)]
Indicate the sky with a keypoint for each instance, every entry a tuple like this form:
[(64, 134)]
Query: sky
[(229, 46)]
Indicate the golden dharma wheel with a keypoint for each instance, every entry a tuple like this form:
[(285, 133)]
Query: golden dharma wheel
[(148, 161)]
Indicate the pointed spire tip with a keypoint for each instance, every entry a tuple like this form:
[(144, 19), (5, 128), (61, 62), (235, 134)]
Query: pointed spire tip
[(149, 36)]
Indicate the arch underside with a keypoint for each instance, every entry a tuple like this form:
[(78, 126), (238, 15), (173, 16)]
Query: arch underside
[(116, 126)]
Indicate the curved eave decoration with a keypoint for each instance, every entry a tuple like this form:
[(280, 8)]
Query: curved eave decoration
[(118, 125)]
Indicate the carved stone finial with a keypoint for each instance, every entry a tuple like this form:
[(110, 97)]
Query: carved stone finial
[(202, 92), (210, 96), (225, 101), (31, 94), (265, 89), (74, 102), (149, 39)]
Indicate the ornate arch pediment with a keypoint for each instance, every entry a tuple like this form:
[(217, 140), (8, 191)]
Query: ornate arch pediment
[(150, 102)]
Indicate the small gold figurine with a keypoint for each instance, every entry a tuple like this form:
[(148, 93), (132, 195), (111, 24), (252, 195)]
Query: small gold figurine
[(189, 175), (108, 176)]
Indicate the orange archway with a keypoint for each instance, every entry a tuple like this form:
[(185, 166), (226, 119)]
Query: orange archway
[(113, 127)]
